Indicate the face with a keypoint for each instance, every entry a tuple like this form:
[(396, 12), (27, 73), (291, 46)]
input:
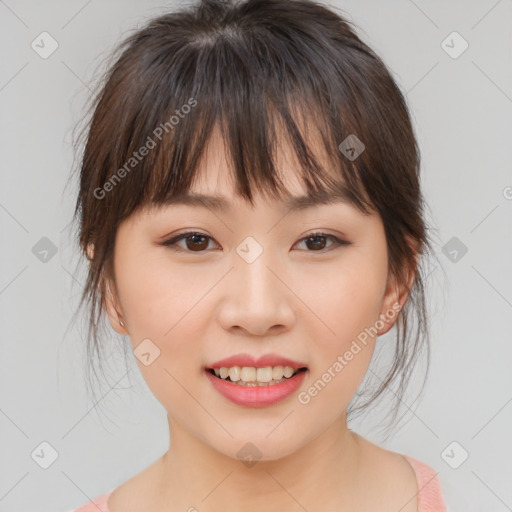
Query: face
[(281, 291)]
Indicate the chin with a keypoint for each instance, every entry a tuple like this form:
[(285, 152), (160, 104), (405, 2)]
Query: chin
[(251, 449)]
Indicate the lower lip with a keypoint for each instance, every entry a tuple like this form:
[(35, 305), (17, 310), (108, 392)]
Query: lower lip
[(256, 396)]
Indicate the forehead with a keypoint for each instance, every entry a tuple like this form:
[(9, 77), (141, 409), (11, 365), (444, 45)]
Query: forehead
[(214, 184), (216, 181)]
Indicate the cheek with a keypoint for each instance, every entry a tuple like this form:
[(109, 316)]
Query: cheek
[(346, 307), (166, 308), (346, 303), (159, 299)]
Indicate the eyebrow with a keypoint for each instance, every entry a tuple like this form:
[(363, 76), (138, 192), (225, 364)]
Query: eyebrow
[(293, 203)]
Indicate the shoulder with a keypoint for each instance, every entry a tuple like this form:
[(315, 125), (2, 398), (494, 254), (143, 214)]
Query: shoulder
[(394, 479), (133, 494), (430, 492), (98, 504), (413, 484), (125, 497)]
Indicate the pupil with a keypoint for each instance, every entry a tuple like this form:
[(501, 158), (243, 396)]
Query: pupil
[(198, 245), (316, 244)]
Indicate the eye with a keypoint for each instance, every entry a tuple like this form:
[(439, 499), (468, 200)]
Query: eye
[(197, 242), (318, 241), (194, 242)]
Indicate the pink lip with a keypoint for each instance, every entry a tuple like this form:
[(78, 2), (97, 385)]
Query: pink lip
[(248, 360), (256, 396)]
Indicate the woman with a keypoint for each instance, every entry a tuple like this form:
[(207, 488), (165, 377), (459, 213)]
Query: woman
[(251, 208)]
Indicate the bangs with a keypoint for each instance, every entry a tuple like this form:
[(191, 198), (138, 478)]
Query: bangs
[(236, 86)]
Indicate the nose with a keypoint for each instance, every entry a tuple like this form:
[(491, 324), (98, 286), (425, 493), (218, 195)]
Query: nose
[(257, 299)]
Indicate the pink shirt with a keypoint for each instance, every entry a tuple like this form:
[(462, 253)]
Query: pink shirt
[(430, 494)]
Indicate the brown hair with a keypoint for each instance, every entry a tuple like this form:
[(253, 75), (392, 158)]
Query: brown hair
[(246, 67)]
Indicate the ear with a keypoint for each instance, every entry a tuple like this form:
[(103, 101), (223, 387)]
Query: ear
[(114, 311), (90, 251), (396, 295), (111, 302)]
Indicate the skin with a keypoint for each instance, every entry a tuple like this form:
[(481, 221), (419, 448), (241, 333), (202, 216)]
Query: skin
[(299, 301)]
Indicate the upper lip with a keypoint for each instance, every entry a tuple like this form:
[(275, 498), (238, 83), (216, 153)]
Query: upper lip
[(248, 360)]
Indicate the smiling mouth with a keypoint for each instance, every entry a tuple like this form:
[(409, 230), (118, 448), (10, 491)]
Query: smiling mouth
[(256, 377)]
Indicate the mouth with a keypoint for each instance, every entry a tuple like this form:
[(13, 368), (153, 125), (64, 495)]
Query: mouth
[(250, 376)]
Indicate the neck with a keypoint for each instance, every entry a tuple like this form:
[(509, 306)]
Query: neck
[(318, 476)]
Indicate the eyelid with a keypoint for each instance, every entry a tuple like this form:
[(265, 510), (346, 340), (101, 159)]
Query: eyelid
[(339, 241), (173, 241)]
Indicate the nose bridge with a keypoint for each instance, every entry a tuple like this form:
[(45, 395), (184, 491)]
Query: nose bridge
[(258, 285), (257, 299)]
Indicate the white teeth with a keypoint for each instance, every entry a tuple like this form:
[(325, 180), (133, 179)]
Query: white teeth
[(248, 374), (277, 372), (234, 373), (265, 374), (251, 376), (288, 371)]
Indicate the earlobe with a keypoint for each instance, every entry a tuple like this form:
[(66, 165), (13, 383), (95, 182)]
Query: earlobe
[(90, 251), (113, 311), (396, 295), (391, 307)]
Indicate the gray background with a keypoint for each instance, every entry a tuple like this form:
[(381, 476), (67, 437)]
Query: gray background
[(462, 110)]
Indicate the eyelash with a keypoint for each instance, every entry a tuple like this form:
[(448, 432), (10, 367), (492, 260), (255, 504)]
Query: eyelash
[(172, 242)]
